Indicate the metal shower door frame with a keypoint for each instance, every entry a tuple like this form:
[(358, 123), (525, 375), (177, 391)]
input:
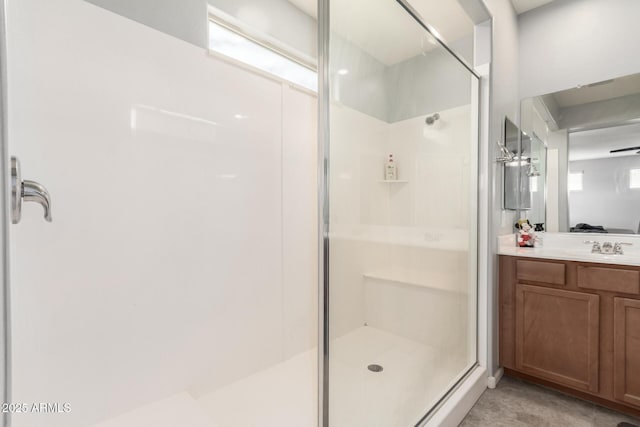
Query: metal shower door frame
[(5, 218)]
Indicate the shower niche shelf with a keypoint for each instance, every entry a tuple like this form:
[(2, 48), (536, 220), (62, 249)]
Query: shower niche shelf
[(393, 181)]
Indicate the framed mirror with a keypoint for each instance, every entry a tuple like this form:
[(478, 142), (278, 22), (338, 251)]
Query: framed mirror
[(591, 135)]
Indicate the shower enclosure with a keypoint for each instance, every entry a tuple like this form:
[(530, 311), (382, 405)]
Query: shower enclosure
[(183, 281), (401, 250)]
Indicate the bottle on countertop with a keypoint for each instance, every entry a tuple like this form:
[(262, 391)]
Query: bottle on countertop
[(390, 169)]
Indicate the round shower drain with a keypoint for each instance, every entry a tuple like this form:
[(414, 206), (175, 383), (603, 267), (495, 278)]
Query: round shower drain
[(375, 368)]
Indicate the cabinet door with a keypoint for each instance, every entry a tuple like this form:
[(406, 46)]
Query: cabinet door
[(557, 334), (626, 372)]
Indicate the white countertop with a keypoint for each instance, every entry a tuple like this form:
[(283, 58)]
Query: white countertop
[(571, 247)]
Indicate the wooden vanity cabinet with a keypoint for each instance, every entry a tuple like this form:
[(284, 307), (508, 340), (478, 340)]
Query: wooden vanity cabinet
[(626, 350), (556, 335), (574, 326)]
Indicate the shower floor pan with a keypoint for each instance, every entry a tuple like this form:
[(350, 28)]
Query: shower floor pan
[(413, 376)]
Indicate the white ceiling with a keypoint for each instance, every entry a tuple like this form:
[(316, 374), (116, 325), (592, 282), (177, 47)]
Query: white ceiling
[(387, 32), (602, 91), (596, 144), (522, 6), (447, 17)]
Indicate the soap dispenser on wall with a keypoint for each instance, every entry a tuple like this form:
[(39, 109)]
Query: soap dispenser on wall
[(390, 169)]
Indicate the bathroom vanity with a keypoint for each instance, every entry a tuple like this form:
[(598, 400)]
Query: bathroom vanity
[(570, 320)]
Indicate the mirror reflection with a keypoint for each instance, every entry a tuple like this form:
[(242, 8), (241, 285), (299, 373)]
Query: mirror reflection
[(512, 170), (525, 165), (534, 150), (592, 173)]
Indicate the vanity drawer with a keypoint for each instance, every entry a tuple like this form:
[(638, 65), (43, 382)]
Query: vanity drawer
[(609, 279), (552, 273)]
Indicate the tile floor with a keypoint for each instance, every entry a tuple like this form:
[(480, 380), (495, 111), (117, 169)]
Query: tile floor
[(515, 403)]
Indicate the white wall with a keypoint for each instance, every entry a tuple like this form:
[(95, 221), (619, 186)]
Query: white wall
[(364, 87), (570, 42), (606, 198), (182, 252), (505, 101), (184, 19), (187, 19), (299, 221), (441, 85)]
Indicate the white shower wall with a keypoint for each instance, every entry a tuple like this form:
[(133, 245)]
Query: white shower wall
[(182, 255), (415, 231), (425, 155)]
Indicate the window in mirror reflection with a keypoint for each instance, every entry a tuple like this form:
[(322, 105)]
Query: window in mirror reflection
[(634, 178), (575, 181), (533, 185)]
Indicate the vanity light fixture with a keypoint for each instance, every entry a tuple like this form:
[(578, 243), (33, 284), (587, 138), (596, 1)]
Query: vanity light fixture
[(506, 155), (532, 171)]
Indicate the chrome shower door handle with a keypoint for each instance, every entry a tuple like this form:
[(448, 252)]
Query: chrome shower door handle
[(29, 191)]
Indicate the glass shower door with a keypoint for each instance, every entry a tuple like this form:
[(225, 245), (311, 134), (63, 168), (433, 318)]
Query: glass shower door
[(402, 155)]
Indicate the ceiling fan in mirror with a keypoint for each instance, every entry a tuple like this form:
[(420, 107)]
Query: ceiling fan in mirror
[(620, 150)]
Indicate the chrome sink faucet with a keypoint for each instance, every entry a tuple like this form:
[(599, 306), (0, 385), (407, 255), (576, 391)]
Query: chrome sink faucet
[(607, 247), (617, 247), (595, 249)]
